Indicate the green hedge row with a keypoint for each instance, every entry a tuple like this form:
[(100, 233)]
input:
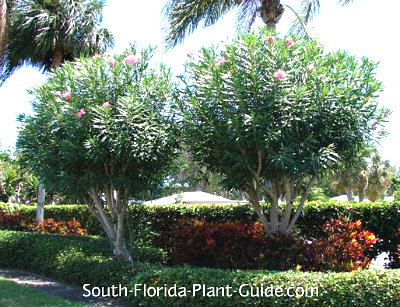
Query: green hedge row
[(382, 218), (87, 260)]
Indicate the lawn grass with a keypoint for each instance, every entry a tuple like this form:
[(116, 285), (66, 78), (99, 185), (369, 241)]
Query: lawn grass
[(13, 295)]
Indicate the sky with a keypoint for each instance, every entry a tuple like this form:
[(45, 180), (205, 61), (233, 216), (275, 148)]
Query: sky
[(364, 28)]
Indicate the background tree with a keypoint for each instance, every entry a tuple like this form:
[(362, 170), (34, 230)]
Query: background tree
[(16, 184), (102, 130), (184, 16), (379, 175), (270, 115), (45, 33)]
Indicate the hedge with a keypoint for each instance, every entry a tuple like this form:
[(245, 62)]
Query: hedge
[(87, 260), (382, 218)]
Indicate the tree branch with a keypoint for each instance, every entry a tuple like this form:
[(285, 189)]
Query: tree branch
[(301, 205)]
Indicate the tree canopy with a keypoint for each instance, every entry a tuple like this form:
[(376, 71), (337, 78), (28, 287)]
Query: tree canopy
[(271, 114)]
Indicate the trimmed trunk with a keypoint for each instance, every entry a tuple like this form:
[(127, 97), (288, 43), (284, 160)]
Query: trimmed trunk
[(280, 222), (40, 207), (271, 12), (57, 58), (112, 222)]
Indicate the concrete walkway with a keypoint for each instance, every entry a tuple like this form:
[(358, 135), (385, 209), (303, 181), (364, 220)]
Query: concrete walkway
[(51, 286)]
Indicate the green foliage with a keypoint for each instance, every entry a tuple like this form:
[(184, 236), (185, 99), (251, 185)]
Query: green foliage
[(87, 260), (16, 184), (75, 142), (237, 110)]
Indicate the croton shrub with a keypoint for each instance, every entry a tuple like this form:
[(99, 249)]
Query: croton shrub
[(10, 221), (343, 247)]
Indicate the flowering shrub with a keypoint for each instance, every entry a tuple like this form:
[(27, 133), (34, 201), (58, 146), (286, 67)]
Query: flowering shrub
[(231, 245), (343, 248), (25, 223)]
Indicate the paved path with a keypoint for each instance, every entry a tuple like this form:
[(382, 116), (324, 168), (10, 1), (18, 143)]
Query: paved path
[(54, 287)]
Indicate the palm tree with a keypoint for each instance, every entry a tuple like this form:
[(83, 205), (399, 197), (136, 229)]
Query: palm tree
[(184, 16), (45, 33)]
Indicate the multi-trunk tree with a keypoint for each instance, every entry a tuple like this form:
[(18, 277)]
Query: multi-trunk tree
[(104, 130), (270, 115)]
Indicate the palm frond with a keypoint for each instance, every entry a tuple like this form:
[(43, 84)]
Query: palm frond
[(38, 28), (309, 9), (247, 14), (184, 16)]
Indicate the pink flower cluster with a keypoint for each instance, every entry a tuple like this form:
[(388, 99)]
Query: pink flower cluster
[(271, 40), (106, 104), (67, 95), (132, 59), (190, 54), (81, 113), (112, 62), (280, 74), (311, 67), (289, 42), (221, 60)]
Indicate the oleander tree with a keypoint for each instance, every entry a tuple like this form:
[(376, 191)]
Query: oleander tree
[(270, 115), (103, 129)]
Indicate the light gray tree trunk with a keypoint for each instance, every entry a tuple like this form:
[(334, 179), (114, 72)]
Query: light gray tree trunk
[(112, 221), (40, 207)]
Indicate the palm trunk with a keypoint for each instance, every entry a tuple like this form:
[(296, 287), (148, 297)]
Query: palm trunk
[(57, 58), (4, 26), (271, 12)]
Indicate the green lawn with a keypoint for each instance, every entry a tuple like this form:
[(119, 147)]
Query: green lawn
[(13, 295)]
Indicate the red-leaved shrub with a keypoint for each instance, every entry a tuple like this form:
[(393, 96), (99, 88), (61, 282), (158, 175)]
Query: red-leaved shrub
[(15, 221), (25, 223), (231, 245), (343, 248), (72, 227)]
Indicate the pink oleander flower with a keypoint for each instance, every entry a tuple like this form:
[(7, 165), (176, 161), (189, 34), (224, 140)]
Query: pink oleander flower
[(221, 60), (98, 56), (58, 94), (81, 113), (131, 59), (289, 42), (67, 95), (106, 54), (311, 67), (112, 62), (190, 54), (280, 74), (106, 104), (271, 40)]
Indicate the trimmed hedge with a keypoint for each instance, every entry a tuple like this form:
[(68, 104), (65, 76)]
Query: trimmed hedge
[(88, 260), (382, 218)]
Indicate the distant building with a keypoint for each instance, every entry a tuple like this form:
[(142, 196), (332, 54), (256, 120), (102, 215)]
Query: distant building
[(192, 198)]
